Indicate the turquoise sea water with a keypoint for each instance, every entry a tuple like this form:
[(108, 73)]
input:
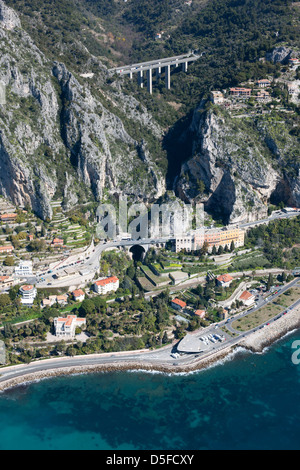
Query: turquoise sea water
[(250, 402)]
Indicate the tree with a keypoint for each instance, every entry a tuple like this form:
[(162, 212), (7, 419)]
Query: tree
[(220, 250), (9, 261), (205, 248), (4, 300), (165, 338), (87, 307), (270, 282)]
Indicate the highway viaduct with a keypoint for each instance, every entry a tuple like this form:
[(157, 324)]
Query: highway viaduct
[(157, 65)]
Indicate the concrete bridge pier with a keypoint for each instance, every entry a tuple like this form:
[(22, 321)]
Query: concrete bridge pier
[(185, 66), (158, 73), (149, 81), (168, 77), (140, 79)]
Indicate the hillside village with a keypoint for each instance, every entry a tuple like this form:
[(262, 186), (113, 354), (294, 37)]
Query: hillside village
[(49, 293), (251, 97), (189, 284)]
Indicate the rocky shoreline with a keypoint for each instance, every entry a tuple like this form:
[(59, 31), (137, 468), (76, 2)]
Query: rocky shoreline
[(255, 343), (113, 367), (264, 338)]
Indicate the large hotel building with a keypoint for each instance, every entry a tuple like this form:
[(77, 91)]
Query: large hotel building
[(214, 237)]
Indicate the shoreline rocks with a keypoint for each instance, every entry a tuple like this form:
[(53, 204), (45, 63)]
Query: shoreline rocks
[(256, 343)]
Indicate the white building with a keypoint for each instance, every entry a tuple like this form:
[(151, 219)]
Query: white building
[(247, 298), (24, 269), (28, 294), (217, 97), (78, 295), (110, 284), (66, 327), (224, 280)]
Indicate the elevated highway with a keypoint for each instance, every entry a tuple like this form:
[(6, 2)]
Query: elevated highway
[(157, 65)]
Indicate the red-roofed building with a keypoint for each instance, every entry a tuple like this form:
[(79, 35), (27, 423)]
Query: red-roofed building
[(240, 92), (6, 249), (28, 293), (247, 298), (8, 217), (78, 295), (178, 304), (294, 61), (109, 284), (224, 280), (66, 327), (200, 313), (6, 281), (264, 83), (57, 242)]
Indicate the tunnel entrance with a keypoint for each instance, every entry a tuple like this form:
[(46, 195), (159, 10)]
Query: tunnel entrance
[(138, 253)]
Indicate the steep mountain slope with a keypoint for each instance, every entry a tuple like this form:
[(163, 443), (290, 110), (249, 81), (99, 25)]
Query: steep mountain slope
[(58, 139), (71, 130), (238, 165)]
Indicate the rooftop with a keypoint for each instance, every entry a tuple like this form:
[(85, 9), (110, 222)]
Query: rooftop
[(179, 302), (108, 280), (246, 295), (78, 293), (225, 278), (27, 288)]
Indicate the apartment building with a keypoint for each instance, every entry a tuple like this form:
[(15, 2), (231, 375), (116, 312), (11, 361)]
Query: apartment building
[(242, 92), (28, 294), (24, 269), (213, 237), (6, 249), (109, 284)]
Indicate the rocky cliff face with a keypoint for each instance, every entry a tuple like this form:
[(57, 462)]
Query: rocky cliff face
[(58, 139), (236, 167)]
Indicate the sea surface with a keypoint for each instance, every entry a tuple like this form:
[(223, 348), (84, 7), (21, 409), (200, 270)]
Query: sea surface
[(248, 402)]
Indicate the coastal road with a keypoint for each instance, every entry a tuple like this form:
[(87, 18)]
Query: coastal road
[(88, 262), (262, 303), (151, 359)]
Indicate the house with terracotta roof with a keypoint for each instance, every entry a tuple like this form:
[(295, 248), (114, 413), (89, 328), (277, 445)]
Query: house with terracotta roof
[(62, 299), (263, 95), (53, 299), (66, 327), (294, 61), (263, 83), (200, 313), (224, 280), (247, 298), (57, 242), (8, 217), (6, 281), (109, 284), (243, 92), (178, 304), (6, 249), (78, 295), (46, 303)]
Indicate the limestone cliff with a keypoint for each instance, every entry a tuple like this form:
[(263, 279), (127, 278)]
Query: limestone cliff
[(58, 139), (236, 168)]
